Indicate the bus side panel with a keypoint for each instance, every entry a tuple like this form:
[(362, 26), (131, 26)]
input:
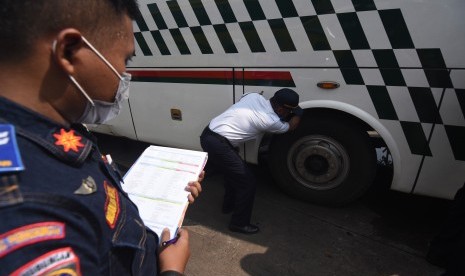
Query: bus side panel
[(431, 24), (443, 172), (198, 103), (428, 24), (121, 125), (441, 175)]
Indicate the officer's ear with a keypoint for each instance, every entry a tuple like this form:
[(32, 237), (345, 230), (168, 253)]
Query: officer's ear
[(66, 48)]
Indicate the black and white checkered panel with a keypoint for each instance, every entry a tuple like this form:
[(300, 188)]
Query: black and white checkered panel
[(179, 21), (369, 46)]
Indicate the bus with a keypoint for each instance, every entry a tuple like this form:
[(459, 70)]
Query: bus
[(391, 69)]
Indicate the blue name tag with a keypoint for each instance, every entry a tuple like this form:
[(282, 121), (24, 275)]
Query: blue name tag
[(10, 159)]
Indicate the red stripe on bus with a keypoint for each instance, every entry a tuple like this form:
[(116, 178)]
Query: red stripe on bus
[(248, 75)]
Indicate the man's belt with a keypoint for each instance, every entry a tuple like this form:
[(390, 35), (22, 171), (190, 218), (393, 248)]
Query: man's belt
[(220, 137)]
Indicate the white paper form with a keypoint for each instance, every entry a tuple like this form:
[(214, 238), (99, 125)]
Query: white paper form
[(156, 184)]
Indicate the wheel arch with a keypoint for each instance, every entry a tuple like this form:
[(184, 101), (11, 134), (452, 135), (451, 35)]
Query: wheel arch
[(313, 109)]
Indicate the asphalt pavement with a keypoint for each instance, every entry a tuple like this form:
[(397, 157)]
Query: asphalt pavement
[(383, 233)]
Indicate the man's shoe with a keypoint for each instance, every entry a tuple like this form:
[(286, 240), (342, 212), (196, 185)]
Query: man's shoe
[(246, 229)]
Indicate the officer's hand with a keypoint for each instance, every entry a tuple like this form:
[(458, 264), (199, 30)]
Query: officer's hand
[(195, 188), (174, 256), (298, 111), (294, 122)]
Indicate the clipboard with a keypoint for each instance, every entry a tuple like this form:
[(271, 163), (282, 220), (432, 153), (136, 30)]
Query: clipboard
[(156, 183)]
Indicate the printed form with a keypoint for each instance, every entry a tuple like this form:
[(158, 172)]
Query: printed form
[(156, 184)]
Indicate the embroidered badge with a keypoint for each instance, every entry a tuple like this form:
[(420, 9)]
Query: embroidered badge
[(87, 187), (30, 234), (62, 261), (111, 205), (10, 158), (68, 140)]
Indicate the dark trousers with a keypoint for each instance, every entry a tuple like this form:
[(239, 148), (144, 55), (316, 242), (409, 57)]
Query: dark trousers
[(448, 248), (239, 182)]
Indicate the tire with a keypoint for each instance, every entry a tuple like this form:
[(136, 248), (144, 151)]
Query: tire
[(328, 160)]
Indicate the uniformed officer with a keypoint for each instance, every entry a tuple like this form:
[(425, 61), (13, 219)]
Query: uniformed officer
[(252, 116), (62, 208)]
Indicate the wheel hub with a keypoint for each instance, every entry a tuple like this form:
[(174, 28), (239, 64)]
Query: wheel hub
[(318, 162)]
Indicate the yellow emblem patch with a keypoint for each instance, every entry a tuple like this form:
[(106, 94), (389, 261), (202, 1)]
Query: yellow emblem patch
[(111, 205), (64, 272)]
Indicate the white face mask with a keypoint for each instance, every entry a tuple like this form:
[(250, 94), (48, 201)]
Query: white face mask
[(96, 111)]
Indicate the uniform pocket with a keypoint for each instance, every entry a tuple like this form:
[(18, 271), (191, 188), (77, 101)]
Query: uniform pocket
[(9, 190), (128, 252)]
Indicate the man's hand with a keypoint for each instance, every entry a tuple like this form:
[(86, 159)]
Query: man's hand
[(294, 123), (298, 111), (174, 256), (295, 120), (195, 188)]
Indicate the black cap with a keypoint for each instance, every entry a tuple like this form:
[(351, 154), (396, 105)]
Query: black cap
[(286, 97)]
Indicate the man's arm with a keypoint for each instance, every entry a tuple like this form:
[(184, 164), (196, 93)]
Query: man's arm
[(294, 123)]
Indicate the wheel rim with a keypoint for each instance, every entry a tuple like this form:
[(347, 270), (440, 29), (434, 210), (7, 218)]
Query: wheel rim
[(318, 162)]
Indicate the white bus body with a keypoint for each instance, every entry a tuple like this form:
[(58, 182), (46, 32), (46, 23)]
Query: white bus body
[(399, 64)]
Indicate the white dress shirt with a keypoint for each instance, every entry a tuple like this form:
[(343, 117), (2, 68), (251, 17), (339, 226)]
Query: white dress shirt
[(247, 119)]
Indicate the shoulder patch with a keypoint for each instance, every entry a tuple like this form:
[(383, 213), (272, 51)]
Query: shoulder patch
[(10, 158), (61, 262), (68, 140), (111, 205), (30, 234)]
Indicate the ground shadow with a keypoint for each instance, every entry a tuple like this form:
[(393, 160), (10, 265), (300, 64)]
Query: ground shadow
[(305, 239)]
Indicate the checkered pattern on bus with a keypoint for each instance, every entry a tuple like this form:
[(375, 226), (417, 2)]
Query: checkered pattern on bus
[(172, 23)]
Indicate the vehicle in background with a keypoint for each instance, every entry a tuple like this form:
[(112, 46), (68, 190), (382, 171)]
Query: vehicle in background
[(393, 69)]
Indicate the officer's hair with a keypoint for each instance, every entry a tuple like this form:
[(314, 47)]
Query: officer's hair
[(23, 22)]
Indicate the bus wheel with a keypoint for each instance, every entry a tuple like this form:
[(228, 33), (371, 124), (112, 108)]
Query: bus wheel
[(327, 160)]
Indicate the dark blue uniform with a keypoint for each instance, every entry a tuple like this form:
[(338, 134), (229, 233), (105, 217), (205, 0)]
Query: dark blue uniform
[(66, 212)]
